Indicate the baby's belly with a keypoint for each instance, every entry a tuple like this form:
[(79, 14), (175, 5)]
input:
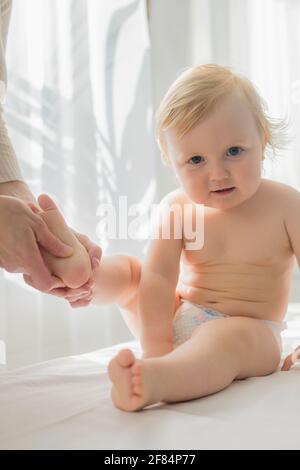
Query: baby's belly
[(258, 293)]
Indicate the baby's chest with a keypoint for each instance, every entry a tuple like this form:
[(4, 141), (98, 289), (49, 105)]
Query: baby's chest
[(254, 238)]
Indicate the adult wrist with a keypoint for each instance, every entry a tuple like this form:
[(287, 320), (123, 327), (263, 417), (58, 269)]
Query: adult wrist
[(18, 189)]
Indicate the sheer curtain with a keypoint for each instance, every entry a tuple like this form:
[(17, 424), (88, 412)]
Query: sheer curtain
[(257, 38), (260, 40), (79, 109), (79, 112)]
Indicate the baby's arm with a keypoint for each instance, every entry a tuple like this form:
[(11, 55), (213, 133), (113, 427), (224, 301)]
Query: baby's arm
[(157, 291), (291, 359)]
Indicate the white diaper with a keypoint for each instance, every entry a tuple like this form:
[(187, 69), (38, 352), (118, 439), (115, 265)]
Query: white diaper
[(277, 328), (188, 316)]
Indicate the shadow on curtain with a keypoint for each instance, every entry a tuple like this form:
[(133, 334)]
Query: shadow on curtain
[(79, 111)]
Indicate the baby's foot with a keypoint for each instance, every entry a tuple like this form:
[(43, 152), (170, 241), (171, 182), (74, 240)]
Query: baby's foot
[(131, 390), (74, 271)]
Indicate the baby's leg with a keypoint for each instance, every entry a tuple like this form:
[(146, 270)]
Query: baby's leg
[(117, 281), (75, 270), (218, 352)]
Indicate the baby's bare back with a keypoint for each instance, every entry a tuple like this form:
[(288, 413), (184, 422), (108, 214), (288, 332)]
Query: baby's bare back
[(246, 263)]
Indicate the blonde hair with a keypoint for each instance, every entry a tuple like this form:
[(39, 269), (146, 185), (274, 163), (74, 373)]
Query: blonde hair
[(196, 93)]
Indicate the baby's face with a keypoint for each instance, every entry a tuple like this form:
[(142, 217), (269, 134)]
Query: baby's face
[(223, 151)]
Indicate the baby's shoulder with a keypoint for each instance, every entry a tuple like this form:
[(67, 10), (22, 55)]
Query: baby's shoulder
[(176, 197), (279, 191), (283, 197)]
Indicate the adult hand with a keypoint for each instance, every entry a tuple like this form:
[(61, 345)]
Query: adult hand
[(82, 296), (22, 231)]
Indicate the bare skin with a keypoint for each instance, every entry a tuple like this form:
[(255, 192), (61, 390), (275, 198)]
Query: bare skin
[(218, 353), (22, 233), (133, 379), (28, 234), (75, 270), (243, 270)]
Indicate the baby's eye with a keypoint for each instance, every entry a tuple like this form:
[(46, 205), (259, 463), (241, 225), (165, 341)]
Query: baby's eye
[(234, 151), (196, 160)]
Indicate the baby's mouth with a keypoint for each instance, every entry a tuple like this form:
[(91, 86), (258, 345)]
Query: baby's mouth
[(224, 191)]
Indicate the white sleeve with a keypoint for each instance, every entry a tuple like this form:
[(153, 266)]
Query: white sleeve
[(9, 167)]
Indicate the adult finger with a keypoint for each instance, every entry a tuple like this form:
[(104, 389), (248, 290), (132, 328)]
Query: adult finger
[(78, 293), (46, 203), (59, 292), (94, 251), (57, 283), (50, 242), (34, 208), (90, 284), (80, 303), (95, 254), (69, 293), (35, 267), (56, 291)]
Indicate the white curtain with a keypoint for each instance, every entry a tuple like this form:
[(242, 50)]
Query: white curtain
[(260, 39), (79, 112)]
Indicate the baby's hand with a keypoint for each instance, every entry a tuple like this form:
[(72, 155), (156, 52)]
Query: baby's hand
[(291, 359)]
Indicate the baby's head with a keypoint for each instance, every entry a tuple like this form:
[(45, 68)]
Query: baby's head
[(213, 130)]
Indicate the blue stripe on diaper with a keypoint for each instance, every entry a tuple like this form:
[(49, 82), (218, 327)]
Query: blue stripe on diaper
[(213, 313)]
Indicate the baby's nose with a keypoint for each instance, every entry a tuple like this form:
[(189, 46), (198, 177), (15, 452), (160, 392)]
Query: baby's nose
[(218, 173)]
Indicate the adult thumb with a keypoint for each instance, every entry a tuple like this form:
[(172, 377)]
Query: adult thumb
[(51, 243), (46, 203)]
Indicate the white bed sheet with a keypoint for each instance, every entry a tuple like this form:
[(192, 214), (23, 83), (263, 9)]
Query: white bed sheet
[(65, 404)]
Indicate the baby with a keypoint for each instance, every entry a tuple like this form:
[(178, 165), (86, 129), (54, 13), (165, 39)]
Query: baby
[(213, 132), (72, 272), (208, 316)]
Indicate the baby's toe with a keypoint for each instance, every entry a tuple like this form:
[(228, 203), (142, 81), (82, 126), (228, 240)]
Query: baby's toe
[(137, 380), (125, 358)]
